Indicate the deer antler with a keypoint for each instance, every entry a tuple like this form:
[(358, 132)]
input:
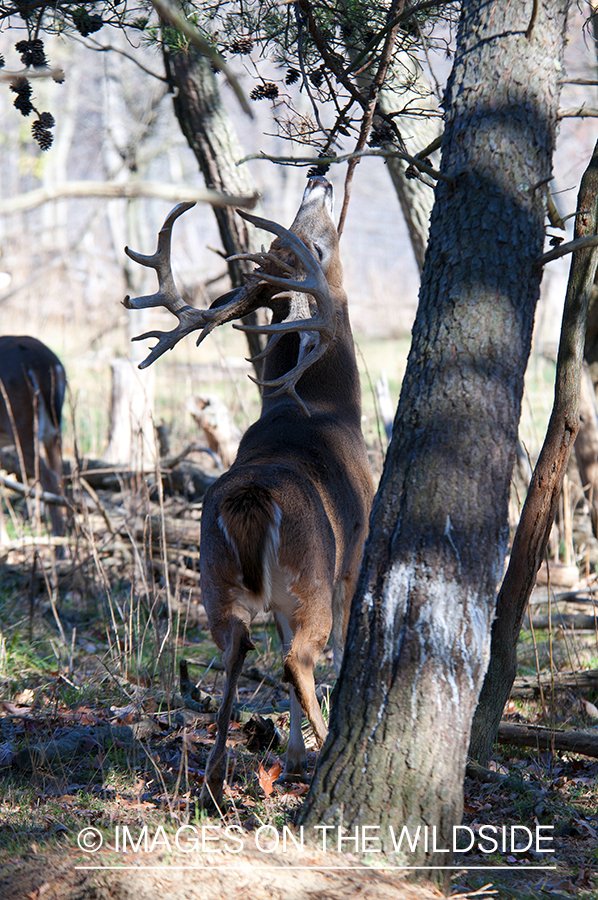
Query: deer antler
[(314, 283), (241, 301), (167, 295)]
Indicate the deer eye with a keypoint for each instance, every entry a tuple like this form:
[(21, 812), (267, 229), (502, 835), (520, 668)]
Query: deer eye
[(319, 251)]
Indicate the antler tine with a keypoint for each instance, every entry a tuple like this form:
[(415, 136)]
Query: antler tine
[(286, 384), (314, 283), (167, 295)]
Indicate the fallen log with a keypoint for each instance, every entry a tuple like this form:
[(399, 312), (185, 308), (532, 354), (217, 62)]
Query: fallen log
[(548, 738), (526, 687)]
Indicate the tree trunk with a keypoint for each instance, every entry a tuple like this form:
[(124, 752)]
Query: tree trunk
[(131, 441), (211, 135), (537, 516), (419, 633)]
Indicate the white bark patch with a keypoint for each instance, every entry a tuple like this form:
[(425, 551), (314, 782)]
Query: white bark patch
[(447, 534), (396, 598)]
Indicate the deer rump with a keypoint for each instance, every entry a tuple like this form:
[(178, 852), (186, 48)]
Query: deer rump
[(278, 505)]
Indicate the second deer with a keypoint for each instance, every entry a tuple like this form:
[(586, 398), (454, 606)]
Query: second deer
[(284, 528), (32, 387)]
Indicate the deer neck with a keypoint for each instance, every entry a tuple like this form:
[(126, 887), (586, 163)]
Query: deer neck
[(331, 384)]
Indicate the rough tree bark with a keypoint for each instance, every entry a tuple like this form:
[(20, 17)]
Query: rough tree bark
[(211, 135), (419, 633), (537, 515)]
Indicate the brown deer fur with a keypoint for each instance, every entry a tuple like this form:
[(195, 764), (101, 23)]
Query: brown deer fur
[(32, 387)]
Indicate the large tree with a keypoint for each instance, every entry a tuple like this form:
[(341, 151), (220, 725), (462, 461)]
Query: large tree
[(418, 641)]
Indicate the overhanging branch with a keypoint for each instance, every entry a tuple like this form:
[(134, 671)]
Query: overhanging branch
[(110, 191)]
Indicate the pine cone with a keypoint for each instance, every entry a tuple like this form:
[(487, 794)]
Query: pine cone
[(41, 134), (22, 89), (266, 91), (241, 46), (32, 52)]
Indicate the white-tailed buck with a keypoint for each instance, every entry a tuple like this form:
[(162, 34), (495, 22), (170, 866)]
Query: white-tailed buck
[(284, 528), (32, 386)]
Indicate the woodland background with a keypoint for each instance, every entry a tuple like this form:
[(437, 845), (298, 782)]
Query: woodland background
[(87, 643)]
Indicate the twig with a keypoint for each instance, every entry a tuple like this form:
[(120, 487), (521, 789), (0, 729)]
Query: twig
[(57, 74), (579, 112), (532, 21), (331, 160), (583, 243), (370, 109), (158, 190), (27, 491), (91, 44)]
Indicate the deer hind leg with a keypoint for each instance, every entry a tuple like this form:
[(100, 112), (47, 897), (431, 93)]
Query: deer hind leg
[(238, 643), (301, 652)]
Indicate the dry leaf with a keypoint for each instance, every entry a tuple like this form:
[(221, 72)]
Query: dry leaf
[(267, 779)]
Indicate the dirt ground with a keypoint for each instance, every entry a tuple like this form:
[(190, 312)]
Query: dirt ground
[(276, 877)]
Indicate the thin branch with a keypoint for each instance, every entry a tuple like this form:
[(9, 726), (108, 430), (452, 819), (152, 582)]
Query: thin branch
[(578, 112), (419, 7), (330, 160), (31, 491), (111, 191), (327, 57), (91, 44), (570, 247), (369, 111), (304, 79), (56, 73), (532, 21), (431, 148)]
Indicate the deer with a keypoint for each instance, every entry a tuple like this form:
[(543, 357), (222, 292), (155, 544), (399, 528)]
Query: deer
[(32, 388), (283, 529)]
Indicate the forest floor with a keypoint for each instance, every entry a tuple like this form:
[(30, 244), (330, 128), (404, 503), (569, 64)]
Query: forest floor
[(102, 755)]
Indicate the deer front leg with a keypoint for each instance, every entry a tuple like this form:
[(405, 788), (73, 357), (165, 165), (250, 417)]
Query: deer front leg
[(239, 645)]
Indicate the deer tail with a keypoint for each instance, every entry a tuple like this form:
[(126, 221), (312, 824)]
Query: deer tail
[(250, 521)]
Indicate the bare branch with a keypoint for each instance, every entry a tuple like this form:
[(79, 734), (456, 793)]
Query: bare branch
[(570, 247), (112, 190), (578, 112), (56, 73), (91, 44), (376, 85), (331, 160)]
